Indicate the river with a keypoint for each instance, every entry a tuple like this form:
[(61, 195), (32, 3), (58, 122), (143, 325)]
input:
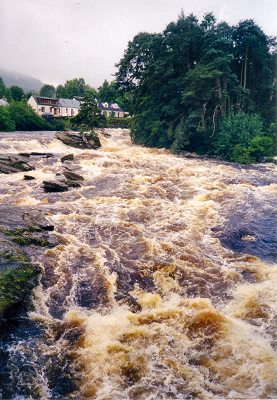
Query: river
[(163, 282)]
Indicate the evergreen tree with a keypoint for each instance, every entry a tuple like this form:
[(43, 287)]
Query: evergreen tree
[(184, 81), (89, 114)]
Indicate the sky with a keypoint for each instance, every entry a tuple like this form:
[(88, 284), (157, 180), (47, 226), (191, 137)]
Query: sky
[(56, 40)]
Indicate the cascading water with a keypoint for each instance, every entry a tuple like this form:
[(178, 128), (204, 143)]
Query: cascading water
[(162, 285)]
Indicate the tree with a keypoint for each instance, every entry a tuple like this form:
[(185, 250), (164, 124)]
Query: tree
[(25, 118), (108, 92), (237, 130), (72, 88), (47, 91), (6, 122), (89, 114), (183, 82), (17, 93), (2, 88)]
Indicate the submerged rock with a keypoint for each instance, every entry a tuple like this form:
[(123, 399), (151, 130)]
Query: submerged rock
[(84, 140)]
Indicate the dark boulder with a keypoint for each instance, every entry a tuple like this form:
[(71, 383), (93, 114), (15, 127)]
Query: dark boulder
[(67, 157), (73, 184), (84, 140), (50, 186), (29, 178), (72, 176)]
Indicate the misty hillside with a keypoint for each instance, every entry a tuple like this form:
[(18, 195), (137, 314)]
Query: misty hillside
[(15, 78)]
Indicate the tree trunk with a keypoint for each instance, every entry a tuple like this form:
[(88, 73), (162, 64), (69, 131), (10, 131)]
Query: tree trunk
[(245, 66)]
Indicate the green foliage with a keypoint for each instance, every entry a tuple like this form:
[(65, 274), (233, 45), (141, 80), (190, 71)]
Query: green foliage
[(107, 92), (2, 88), (16, 93), (72, 88), (47, 91), (262, 148), (241, 154), (6, 122), (237, 129), (200, 86), (123, 123), (89, 113), (56, 124), (25, 118)]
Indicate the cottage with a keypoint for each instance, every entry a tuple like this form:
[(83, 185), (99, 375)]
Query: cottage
[(111, 110), (69, 107), (55, 107), (44, 105)]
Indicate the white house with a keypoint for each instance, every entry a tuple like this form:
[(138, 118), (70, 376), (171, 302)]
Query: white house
[(111, 110), (68, 107), (44, 105), (56, 107)]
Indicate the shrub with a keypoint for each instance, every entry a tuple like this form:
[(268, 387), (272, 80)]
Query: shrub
[(261, 148), (123, 123), (25, 118), (239, 129), (6, 122), (241, 154)]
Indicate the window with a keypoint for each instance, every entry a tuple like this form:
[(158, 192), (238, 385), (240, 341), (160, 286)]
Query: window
[(42, 109), (72, 112)]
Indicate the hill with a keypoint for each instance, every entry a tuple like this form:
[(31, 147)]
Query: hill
[(16, 78)]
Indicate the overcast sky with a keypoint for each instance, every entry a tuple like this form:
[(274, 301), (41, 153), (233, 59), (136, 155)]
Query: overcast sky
[(55, 40)]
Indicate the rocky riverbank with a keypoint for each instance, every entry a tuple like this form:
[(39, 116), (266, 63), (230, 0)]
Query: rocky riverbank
[(25, 234)]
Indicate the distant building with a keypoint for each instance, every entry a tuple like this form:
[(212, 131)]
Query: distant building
[(46, 106), (111, 110), (3, 102), (68, 107)]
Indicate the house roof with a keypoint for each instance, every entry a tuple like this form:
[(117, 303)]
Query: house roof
[(105, 106), (41, 100), (69, 103)]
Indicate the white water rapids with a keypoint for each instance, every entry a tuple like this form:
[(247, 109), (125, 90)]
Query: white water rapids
[(163, 284)]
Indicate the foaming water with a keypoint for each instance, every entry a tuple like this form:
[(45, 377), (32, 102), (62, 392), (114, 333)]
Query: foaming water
[(163, 285)]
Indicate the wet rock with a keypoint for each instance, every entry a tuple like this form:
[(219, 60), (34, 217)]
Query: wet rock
[(72, 176), (22, 235), (11, 163), (18, 276), (73, 184), (36, 220), (43, 155), (84, 140), (67, 157), (36, 154), (50, 186), (29, 177)]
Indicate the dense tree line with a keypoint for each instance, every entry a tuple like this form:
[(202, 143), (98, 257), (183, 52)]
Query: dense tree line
[(203, 86)]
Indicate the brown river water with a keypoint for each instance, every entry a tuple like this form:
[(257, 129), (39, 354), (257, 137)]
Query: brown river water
[(163, 284)]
